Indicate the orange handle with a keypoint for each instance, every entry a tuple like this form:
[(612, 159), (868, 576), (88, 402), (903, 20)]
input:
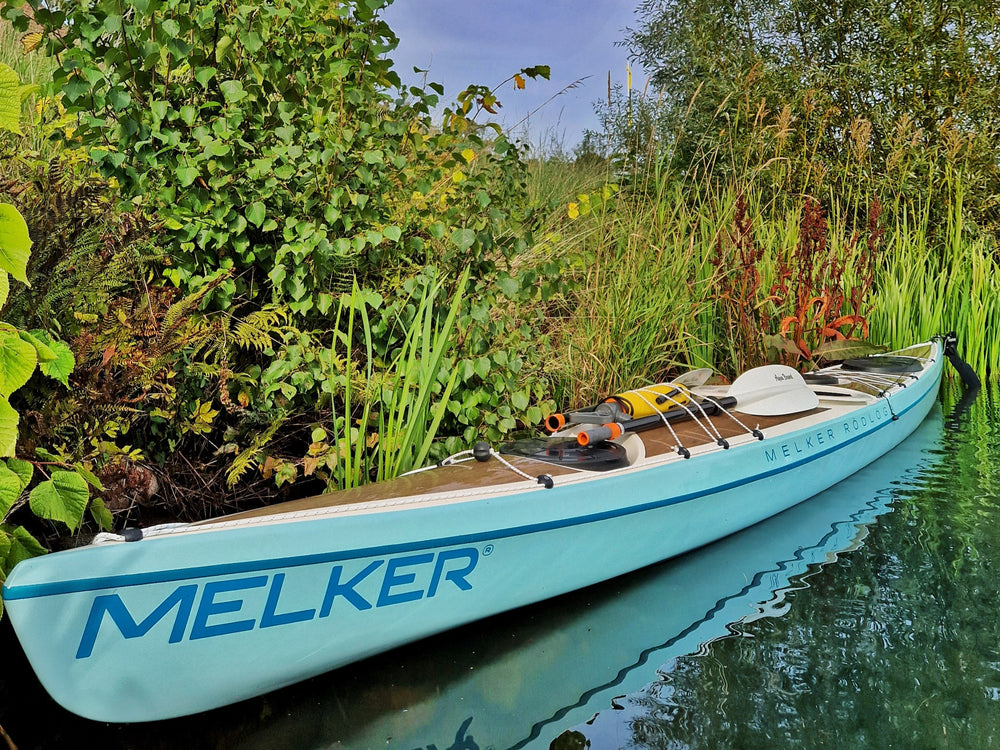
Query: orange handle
[(596, 434)]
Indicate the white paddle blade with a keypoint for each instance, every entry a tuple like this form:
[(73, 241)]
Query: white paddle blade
[(693, 378), (772, 390)]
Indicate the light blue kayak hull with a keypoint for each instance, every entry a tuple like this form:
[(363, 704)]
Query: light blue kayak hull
[(180, 623)]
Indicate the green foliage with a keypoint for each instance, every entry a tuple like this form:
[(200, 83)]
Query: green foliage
[(15, 245), (400, 410), (283, 166), (258, 133), (64, 495), (11, 93), (266, 140)]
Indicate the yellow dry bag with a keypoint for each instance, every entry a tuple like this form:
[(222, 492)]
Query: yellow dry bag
[(653, 399)]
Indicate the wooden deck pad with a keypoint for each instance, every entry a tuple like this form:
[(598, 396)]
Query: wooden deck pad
[(471, 474)]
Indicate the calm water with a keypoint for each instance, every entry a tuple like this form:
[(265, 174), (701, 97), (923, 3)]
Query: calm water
[(868, 617)]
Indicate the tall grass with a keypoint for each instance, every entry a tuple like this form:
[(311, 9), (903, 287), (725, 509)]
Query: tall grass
[(642, 275), (660, 287), (935, 282), (406, 402)]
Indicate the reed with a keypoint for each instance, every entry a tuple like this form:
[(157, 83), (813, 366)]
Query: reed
[(354, 465), (665, 285), (403, 404), (414, 395), (936, 282), (635, 314)]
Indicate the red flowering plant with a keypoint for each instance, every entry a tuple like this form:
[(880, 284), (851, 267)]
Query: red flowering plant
[(825, 306), (736, 258)]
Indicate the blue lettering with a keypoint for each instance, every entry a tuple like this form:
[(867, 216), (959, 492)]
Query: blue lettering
[(209, 608), (269, 619), (829, 432), (218, 614), (182, 598), (391, 579), (455, 576), (771, 455), (785, 451), (809, 442), (346, 590)]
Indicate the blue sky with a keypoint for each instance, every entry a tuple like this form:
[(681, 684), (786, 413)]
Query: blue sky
[(486, 41)]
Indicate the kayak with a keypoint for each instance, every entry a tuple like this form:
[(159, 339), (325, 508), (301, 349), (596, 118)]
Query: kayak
[(162, 622)]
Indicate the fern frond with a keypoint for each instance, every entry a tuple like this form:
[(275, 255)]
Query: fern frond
[(181, 309), (260, 329), (248, 457)]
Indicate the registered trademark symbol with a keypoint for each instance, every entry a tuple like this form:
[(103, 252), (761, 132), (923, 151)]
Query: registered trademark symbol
[(487, 550)]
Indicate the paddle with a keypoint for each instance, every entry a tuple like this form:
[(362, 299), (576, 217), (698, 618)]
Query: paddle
[(771, 390), (693, 378)]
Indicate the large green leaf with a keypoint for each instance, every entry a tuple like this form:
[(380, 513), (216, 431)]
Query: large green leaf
[(101, 514), (42, 349), (847, 349), (17, 360), (62, 362), (15, 244), (8, 427), (463, 238), (23, 469), (21, 546), (10, 489), (61, 498), (10, 99)]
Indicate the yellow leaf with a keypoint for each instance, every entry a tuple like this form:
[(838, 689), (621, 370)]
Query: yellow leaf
[(458, 176), (573, 210), (31, 41), (468, 155), (518, 80)]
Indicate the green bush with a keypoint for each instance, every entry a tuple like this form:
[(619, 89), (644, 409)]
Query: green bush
[(285, 164)]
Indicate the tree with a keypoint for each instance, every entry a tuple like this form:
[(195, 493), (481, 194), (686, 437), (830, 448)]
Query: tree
[(901, 89)]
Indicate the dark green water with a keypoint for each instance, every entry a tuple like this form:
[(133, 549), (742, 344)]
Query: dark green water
[(868, 617)]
